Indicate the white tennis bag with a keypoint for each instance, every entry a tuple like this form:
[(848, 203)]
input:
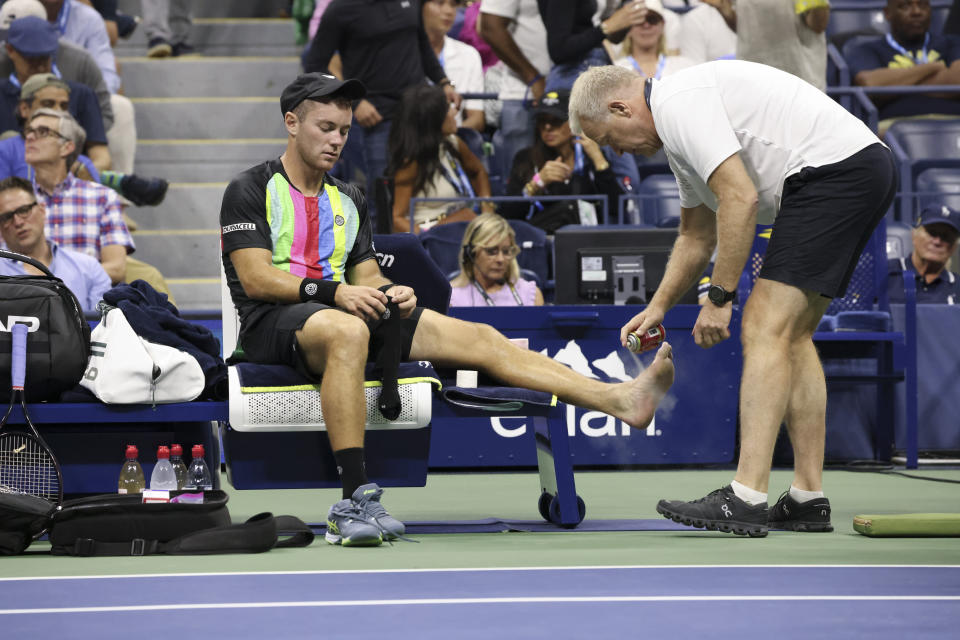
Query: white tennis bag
[(126, 369)]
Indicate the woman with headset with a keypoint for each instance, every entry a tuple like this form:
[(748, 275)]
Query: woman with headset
[(489, 273)]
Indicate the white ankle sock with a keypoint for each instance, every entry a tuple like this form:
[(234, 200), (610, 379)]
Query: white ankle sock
[(748, 495), (804, 496)]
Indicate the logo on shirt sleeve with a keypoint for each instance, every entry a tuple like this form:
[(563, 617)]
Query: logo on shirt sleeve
[(240, 226)]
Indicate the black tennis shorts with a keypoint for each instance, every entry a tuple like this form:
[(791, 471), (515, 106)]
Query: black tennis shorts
[(826, 217), (271, 337)]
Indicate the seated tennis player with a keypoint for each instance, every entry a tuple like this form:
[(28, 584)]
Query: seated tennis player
[(303, 274)]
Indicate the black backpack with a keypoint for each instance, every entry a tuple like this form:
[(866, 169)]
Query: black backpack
[(58, 342)]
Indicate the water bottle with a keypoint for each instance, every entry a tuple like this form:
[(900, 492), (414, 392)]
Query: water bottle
[(131, 475), (179, 469), (163, 478), (630, 205), (198, 475)]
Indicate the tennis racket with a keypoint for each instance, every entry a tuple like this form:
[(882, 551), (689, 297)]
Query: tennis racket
[(27, 466)]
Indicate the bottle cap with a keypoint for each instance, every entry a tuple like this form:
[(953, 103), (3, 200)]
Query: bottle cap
[(132, 452), (197, 451), (163, 453), (176, 450)]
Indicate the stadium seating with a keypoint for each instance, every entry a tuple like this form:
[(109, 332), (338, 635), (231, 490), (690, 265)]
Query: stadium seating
[(899, 240), (442, 243), (938, 186), (918, 145), (535, 253), (659, 201)]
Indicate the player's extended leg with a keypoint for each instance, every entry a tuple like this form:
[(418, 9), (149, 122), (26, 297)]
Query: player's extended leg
[(454, 343)]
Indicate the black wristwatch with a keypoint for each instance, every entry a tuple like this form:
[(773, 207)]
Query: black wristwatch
[(720, 296)]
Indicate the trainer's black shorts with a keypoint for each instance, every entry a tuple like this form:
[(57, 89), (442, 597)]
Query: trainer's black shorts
[(826, 217), (270, 337)]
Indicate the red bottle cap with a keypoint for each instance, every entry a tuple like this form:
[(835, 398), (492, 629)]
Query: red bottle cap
[(197, 451), (132, 452), (163, 453), (176, 450)]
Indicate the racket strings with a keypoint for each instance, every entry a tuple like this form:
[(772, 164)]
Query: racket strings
[(25, 467)]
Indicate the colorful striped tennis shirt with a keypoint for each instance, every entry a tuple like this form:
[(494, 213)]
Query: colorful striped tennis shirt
[(309, 237)]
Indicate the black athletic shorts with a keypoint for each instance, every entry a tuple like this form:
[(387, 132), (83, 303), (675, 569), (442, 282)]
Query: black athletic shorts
[(270, 338), (826, 217)]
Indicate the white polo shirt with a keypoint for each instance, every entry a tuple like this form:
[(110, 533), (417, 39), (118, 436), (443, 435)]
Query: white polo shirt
[(777, 122), (461, 63), (530, 35)]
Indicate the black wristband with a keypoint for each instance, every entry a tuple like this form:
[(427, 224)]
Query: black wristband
[(314, 290), (386, 288)]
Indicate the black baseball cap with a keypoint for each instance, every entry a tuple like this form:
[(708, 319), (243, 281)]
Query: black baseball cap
[(554, 103), (319, 85)]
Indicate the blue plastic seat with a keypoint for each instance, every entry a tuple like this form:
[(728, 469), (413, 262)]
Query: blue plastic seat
[(442, 243), (660, 201), (535, 253), (918, 145), (403, 260), (938, 187), (899, 240)]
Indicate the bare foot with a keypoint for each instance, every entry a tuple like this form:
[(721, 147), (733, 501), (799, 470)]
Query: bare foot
[(643, 393)]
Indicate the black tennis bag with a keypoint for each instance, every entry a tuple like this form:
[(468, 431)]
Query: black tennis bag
[(58, 342), (123, 525)]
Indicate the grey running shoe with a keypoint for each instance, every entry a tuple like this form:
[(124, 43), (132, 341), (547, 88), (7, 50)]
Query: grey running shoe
[(367, 498), (811, 516), (347, 525), (720, 510)]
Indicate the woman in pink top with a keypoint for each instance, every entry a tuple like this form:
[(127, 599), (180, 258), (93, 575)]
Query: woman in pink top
[(489, 273)]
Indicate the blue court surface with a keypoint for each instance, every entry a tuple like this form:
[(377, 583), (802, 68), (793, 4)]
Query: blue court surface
[(557, 602)]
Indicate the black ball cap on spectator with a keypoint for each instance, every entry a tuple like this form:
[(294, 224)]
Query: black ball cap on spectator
[(319, 85), (554, 103), (33, 37)]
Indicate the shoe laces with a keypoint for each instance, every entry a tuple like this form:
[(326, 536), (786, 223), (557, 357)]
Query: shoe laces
[(722, 491), (371, 510)]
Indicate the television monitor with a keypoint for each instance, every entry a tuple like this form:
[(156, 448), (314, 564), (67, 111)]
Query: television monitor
[(611, 264)]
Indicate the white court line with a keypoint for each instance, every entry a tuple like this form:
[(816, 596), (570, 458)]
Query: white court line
[(461, 601), (484, 569)]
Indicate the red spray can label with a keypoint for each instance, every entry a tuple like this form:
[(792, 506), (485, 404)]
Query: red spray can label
[(653, 338)]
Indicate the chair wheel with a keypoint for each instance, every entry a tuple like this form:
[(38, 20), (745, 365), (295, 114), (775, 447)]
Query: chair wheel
[(555, 513), (543, 505)]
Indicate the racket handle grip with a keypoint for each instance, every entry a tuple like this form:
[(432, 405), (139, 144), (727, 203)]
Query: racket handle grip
[(18, 359)]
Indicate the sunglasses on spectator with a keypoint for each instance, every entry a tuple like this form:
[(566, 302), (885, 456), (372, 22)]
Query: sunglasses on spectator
[(652, 19), (42, 132), (20, 212), (508, 252)]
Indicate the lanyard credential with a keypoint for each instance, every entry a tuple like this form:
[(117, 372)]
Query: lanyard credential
[(489, 300), (63, 17), (460, 181), (899, 49), (661, 62)]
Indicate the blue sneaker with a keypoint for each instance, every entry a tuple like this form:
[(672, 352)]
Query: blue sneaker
[(347, 525), (367, 499)]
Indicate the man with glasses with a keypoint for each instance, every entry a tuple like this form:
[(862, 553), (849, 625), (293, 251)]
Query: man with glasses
[(935, 238), (22, 219)]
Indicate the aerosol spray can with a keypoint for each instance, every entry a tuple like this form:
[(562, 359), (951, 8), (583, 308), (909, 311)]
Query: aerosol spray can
[(640, 342)]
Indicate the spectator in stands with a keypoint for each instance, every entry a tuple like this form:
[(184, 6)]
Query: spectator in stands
[(908, 55), (558, 164), (73, 63), (30, 46), (167, 24), (574, 39), (313, 310), (787, 35), (489, 273), (82, 25), (645, 48), (383, 45), (515, 32), (470, 34), (935, 238), (45, 90), (22, 218), (708, 32), (429, 160), (749, 143), (460, 62), (81, 215)]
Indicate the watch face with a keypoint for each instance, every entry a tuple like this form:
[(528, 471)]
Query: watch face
[(716, 295)]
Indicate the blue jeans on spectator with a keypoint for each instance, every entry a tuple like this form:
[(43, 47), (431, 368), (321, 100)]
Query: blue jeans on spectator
[(562, 76), (515, 132)]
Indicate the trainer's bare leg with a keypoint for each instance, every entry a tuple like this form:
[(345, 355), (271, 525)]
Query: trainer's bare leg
[(807, 407), (335, 344), (776, 326), (454, 343)]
